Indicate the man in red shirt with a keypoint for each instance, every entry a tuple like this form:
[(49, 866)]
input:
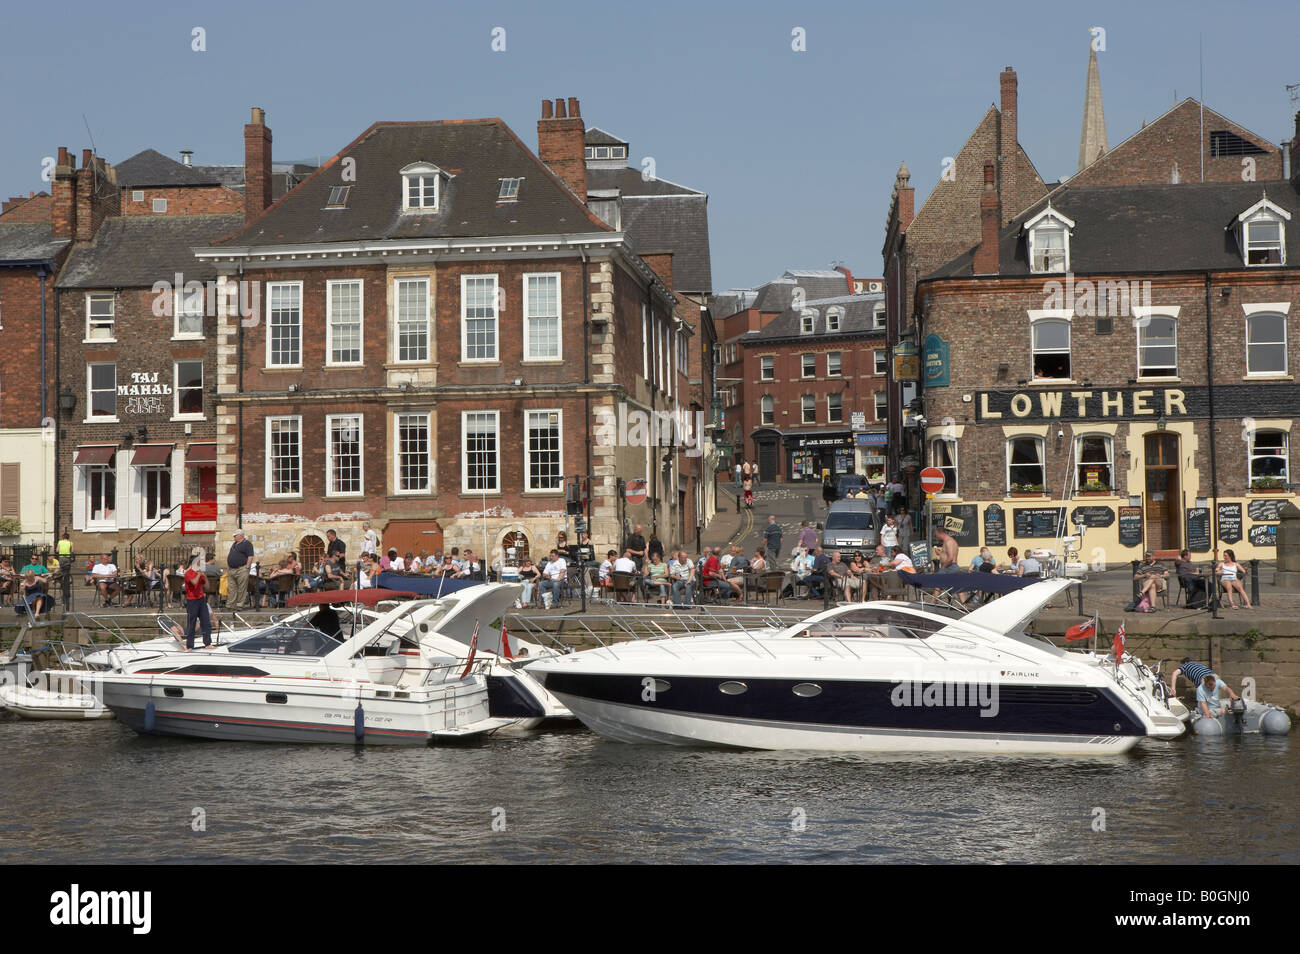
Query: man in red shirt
[(196, 603), (711, 575)]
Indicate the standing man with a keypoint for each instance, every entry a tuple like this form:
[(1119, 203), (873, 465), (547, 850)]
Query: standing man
[(807, 537), (738, 473), (196, 601), (772, 537), (237, 560), (947, 548), (636, 544), (337, 550), (369, 541)]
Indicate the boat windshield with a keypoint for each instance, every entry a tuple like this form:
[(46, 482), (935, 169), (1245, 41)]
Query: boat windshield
[(870, 623), (287, 641)]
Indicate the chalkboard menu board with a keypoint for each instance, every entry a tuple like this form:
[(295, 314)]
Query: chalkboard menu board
[(963, 522), (1263, 535), (1198, 529), (1092, 516), (919, 550), (995, 526), (1130, 526), (1265, 509), (1038, 521), (1230, 523)]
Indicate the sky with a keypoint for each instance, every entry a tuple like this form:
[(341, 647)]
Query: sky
[(797, 149)]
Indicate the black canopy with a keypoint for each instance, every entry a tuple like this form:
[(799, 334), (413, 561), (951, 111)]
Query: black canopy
[(961, 582)]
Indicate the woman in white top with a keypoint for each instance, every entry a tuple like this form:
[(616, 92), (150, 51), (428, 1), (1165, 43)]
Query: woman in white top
[(1230, 575)]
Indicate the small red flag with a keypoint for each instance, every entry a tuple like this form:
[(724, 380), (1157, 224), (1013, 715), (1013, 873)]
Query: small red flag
[(1119, 644), (473, 649), (505, 643), (1082, 631)]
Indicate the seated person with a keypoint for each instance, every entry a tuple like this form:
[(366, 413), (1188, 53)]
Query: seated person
[(711, 576), (1151, 578), (1192, 578), (837, 571), (31, 593), (104, 575), (1028, 566), (902, 562), (528, 575), (1231, 575), (1207, 697), (737, 567), (816, 577), (656, 577), (855, 580)]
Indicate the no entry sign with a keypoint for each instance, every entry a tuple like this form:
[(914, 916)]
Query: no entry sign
[(932, 480), (635, 491)]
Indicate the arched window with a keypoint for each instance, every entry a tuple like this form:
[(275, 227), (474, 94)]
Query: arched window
[(1025, 465), (943, 455), (1266, 343), (1094, 456), (1051, 346), (311, 550), (421, 183), (1157, 347)]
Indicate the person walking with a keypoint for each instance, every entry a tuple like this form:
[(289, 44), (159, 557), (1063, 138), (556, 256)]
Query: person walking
[(772, 537), (369, 540), (738, 473), (749, 492), (753, 471), (196, 601), (237, 560)]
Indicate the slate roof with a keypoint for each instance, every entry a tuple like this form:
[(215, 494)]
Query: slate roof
[(856, 316), (28, 242), (284, 176), (152, 168), (679, 224), (134, 251), (629, 182), (475, 154), (596, 136), (1147, 229)]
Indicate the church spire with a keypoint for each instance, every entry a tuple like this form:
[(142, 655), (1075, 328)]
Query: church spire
[(1092, 142)]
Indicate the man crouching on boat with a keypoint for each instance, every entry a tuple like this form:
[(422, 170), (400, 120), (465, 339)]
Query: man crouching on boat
[(1207, 697)]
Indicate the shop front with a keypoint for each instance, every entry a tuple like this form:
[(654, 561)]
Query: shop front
[(871, 446), (811, 454)]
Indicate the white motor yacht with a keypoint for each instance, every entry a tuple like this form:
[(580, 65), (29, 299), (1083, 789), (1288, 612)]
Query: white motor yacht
[(295, 683), (877, 676)]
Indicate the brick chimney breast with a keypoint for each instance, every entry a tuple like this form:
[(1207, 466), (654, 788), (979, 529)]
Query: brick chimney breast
[(257, 166), (561, 144), (985, 261), (1008, 145)]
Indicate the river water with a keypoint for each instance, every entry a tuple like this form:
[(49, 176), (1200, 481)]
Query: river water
[(97, 793)]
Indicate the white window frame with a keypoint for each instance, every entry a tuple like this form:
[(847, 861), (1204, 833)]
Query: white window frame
[(767, 410), (528, 318), (270, 297), (807, 321), (495, 357), (360, 422), (807, 404), (1261, 212), (397, 453), (767, 367), (1252, 455), (880, 361), (419, 172), (91, 417), (269, 460), (330, 286), (179, 311), (1048, 220), (838, 371), (419, 280), (834, 317), (877, 405), (879, 317), (1042, 461), (110, 323), (804, 372), (954, 467), (1270, 310), (464, 454), (834, 415), (1034, 323), (142, 493), (176, 390), (1144, 315), (110, 523), (159, 205), (528, 452), (509, 190), (1080, 463)]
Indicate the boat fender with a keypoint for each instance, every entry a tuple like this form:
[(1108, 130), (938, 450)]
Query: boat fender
[(1275, 722), (359, 723), (1207, 727), (149, 716)]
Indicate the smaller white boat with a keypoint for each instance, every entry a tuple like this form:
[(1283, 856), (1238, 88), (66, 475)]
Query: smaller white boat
[(53, 694), (1243, 717)]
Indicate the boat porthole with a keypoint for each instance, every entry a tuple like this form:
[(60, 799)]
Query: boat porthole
[(277, 697), (807, 690), (1118, 727), (172, 692), (732, 688)]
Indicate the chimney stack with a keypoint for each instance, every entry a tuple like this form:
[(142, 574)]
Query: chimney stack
[(257, 166), (906, 197), (661, 263), (986, 254), (63, 214), (561, 144), (1008, 147)]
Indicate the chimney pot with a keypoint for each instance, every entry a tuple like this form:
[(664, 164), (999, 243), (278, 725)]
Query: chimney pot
[(559, 109), (573, 107), (64, 158), (259, 116), (85, 158), (548, 109), (185, 156)]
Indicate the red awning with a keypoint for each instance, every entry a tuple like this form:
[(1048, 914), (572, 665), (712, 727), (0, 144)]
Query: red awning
[(152, 455), (95, 454), (367, 597), (201, 455)]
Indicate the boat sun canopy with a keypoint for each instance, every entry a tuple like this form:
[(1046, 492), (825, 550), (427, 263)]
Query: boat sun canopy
[(1011, 613)]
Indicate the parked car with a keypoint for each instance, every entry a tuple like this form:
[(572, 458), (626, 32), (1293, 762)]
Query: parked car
[(846, 484), (849, 528)]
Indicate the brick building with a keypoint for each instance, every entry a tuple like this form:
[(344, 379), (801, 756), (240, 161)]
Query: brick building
[(1121, 357), (30, 254), (1169, 149), (447, 335), (137, 352), (798, 358)]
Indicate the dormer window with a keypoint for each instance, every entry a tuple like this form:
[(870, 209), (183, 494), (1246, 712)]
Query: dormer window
[(833, 319), (1049, 241), (509, 190), (338, 197), (807, 319), (421, 187), (1261, 233)]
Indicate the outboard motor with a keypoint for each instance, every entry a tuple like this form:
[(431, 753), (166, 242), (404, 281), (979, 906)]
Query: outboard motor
[(1238, 709)]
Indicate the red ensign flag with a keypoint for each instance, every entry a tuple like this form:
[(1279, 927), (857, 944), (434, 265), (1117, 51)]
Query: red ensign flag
[(1082, 631), (1119, 644)]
